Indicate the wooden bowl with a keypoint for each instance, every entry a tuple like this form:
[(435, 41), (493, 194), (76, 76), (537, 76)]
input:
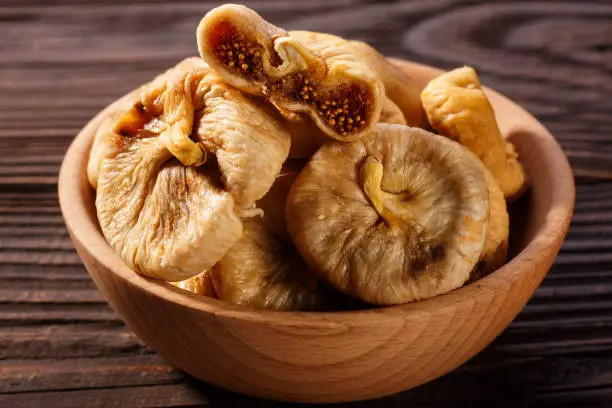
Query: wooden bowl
[(334, 356)]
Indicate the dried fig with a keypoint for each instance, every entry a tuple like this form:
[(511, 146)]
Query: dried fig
[(495, 249), (458, 108), (160, 215), (324, 79), (200, 284), (391, 113), (264, 269), (306, 137), (168, 220), (399, 87), (99, 148), (398, 216)]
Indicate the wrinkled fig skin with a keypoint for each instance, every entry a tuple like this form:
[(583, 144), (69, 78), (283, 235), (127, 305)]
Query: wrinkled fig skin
[(458, 108), (161, 216), (99, 148), (164, 109), (249, 144), (106, 132), (400, 88), (495, 249), (418, 233), (391, 113), (321, 76), (200, 284), (264, 269)]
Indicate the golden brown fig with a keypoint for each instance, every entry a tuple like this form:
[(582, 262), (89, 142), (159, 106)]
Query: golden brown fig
[(264, 269), (458, 108), (324, 79), (398, 216), (200, 284), (495, 248), (160, 215)]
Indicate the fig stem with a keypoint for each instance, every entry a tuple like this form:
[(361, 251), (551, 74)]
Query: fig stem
[(371, 179), (179, 116), (179, 121)]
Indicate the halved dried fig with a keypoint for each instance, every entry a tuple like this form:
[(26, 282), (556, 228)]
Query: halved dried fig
[(399, 87), (306, 137), (458, 108), (325, 79), (200, 284), (398, 216), (168, 220), (264, 269)]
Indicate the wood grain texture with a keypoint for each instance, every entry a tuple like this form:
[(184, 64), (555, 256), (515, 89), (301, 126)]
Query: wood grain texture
[(62, 61)]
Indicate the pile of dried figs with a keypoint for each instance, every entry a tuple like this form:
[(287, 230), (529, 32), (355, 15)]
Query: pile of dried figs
[(299, 171)]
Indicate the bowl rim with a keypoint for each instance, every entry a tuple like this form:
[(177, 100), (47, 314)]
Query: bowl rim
[(557, 221)]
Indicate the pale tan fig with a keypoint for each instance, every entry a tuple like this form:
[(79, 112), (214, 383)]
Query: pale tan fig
[(264, 269), (398, 216), (391, 113), (165, 109), (161, 216), (325, 79), (106, 132), (245, 140), (458, 108), (200, 284), (495, 249), (99, 148), (168, 220)]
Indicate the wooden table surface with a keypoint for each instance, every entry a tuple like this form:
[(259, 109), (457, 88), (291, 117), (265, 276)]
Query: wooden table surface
[(61, 61)]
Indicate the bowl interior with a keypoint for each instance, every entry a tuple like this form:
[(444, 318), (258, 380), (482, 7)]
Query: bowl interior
[(539, 219)]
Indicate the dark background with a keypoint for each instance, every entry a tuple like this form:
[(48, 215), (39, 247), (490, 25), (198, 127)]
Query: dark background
[(62, 61)]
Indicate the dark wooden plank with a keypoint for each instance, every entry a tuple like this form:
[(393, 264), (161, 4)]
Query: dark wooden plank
[(62, 61), (594, 397), (49, 244), (31, 219), (43, 272), (50, 296), (39, 257), (80, 373), (174, 395), (28, 314), (64, 341), (39, 231)]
